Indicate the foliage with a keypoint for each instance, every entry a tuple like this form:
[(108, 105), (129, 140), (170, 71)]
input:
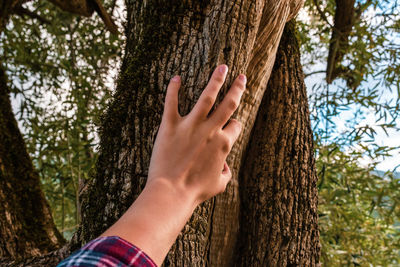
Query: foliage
[(358, 211), (359, 214), (60, 75)]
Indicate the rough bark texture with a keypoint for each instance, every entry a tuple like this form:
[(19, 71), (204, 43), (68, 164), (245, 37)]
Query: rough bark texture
[(189, 38), (225, 224), (278, 222), (48, 260), (26, 224)]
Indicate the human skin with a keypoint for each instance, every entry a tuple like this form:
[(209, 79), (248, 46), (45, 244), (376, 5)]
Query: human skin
[(187, 166)]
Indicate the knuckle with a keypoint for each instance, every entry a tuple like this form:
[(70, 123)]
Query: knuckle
[(225, 148), (241, 86), (238, 126), (232, 104), (207, 100), (219, 78), (225, 144), (235, 122), (209, 139)]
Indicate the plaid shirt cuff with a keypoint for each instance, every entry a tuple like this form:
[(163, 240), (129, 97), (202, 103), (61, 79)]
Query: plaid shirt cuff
[(108, 251)]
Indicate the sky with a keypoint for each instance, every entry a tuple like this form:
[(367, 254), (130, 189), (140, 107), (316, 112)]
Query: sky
[(392, 137)]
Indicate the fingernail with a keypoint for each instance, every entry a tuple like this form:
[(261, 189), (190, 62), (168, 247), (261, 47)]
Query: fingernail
[(223, 69), (243, 78), (176, 78)]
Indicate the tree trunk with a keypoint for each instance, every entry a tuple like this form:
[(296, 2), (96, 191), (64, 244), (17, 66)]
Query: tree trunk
[(345, 16), (27, 227), (278, 215), (189, 38)]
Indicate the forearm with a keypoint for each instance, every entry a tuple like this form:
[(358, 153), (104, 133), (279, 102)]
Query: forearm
[(155, 219)]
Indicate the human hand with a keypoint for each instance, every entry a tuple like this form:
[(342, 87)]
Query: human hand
[(189, 152), (187, 166)]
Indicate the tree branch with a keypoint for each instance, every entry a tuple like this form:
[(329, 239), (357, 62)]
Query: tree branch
[(314, 72), (21, 11), (321, 13)]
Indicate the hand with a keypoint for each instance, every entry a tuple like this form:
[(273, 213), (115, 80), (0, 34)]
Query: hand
[(187, 167), (190, 152)]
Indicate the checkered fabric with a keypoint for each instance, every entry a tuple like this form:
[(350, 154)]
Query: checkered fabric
[(106, 252)]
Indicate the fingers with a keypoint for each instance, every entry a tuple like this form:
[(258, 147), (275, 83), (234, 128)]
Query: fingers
[(230, 102), (232, 132), (207, 98), (171, 99), (226, 176), (225, 169), (203, 106)]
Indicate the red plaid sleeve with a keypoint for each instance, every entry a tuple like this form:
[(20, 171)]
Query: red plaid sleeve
[(108, 251)]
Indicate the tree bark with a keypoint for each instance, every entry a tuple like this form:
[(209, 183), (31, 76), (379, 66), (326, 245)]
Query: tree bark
[(27, 227), (345, 16), (278, 215), (188, 38)]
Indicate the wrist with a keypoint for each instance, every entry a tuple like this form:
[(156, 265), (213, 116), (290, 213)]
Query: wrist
[(156, 218), (174, 191)]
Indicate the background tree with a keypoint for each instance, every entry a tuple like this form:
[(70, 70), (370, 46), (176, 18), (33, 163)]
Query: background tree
[(60, 89), (37, 71), (27, 225)]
